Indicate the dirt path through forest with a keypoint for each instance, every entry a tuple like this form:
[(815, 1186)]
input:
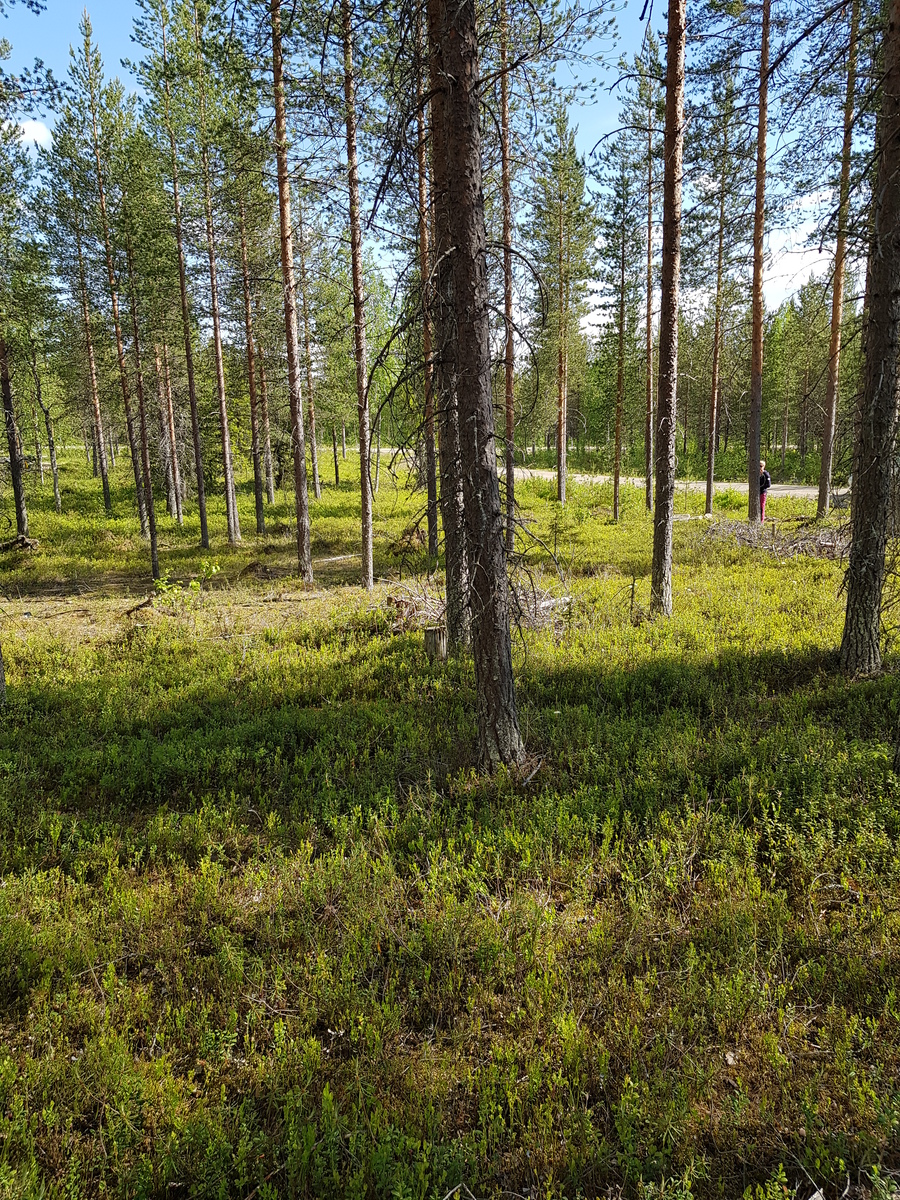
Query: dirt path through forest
[(799, 491)]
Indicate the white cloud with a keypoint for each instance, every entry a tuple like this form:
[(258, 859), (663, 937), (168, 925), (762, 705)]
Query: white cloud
[(36, 131)]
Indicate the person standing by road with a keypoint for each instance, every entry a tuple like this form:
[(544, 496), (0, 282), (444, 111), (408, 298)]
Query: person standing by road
[(765, 482)]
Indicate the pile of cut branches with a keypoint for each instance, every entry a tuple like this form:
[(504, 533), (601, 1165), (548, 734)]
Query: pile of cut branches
[(807, 538)]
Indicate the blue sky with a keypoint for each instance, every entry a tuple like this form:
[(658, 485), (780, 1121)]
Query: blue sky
[(49, 35)]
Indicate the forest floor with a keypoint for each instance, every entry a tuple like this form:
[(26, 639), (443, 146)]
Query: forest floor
[(264, 931)]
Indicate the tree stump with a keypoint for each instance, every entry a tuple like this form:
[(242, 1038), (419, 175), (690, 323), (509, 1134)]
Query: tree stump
[(436, 643)]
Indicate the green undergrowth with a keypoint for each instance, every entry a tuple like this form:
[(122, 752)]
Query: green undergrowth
[(264, 932)]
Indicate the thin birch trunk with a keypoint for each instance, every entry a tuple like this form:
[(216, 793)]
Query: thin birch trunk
[(337, 473), (185, 303), (840, 259), (664, 511), (301, 498), (759, 218), (359, 312)]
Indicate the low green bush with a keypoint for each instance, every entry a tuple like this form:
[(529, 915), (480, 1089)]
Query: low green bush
[(264, 932)]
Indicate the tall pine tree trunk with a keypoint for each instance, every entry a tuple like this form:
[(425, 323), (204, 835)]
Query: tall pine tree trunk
[(648, 411), (840, 259), (425, 277), (759, 312), (307, 356), (451, 495), (359, 313), (664, 511), (185, 303), (251, 377), (14, 443), (562, 416), (92, 371), (48, 425), (717, 328), (265, 432), (620, 375), (147, 477), (878, 407), (114, 297), (231, 509), (165, 447), (301, 498), (509, 364), (498, 727), (173, 438)]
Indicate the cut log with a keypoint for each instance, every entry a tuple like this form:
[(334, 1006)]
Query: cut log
[(436, 642)]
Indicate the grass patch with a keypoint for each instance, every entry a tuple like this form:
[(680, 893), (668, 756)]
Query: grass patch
[(263, 932)]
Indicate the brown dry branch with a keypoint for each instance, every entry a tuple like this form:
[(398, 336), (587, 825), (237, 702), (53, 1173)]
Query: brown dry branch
[(812, 540), (422, 603), (20, 542)]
